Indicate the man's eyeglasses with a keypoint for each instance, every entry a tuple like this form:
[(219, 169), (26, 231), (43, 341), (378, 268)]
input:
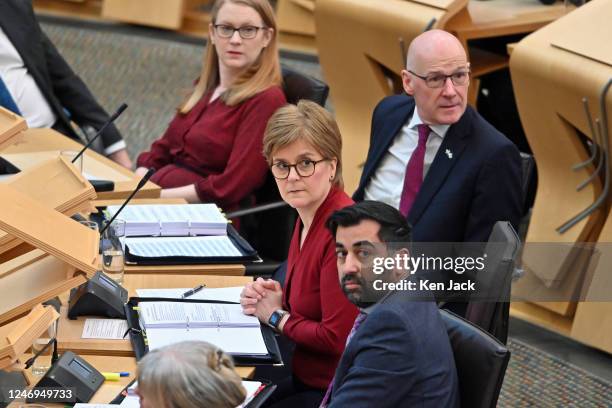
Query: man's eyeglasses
[(438, 80), (304, 168), (245, 32)]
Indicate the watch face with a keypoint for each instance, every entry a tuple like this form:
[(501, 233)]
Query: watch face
[(274, 319)]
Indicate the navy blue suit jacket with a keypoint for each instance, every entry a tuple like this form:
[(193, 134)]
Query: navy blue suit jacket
[(400, 356), (461, 197)]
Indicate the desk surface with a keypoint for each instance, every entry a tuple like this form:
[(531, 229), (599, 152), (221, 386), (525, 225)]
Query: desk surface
[(483, 19), (110, 389), (40, 144), (69, 334)]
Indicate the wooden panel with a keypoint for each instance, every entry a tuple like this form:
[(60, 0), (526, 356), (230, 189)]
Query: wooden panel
[(11, 125), (296, 16), (541, 317), (593, 319), (50, 142), (54, 183), (157, 13), (31, 279), (216, 269), (552, 114)]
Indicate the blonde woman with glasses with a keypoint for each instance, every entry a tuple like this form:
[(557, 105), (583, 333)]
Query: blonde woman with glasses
[(211, 152), (189, 374), (303, 147)]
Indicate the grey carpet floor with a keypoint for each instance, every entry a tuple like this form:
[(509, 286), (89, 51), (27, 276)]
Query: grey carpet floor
[(153, 75)]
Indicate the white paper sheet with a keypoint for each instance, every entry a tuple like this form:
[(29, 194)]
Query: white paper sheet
[(104, 329), (238, 340), (199, 247), (185, 315)]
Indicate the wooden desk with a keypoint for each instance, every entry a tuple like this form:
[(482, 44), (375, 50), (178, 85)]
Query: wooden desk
[(198, 270), (551, 73), (69, 333), (41, 144), (110, 389)]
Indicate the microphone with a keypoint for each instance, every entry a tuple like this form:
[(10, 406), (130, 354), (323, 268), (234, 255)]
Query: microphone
[(102, 129), (140, 185), (54, 357)]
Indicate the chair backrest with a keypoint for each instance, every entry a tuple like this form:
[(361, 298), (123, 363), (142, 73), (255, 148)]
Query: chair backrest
[(298, 86), (481, 361), (270, 232), (528, 181), (490, 308)]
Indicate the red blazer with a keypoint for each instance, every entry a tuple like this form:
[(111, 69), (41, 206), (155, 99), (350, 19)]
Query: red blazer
[(321, 316), (216, 147)]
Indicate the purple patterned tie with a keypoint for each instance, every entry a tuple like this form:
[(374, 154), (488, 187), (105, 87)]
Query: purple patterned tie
[(358, 320), (414, 171)]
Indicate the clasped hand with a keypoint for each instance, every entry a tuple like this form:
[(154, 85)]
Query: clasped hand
[(261, 298)]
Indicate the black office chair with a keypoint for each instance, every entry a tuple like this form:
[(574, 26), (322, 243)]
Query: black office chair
[(490, 308), (481, 362), (268, 226)]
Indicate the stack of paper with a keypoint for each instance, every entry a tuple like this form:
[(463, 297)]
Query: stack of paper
[(56, 184), (197, 247), (172, 219), (188, 315), (223, 325)]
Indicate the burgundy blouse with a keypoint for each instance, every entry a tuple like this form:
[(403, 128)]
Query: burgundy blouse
[(321, 315), (216, 147)]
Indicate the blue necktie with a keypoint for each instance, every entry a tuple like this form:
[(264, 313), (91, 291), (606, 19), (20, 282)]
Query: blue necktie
[(6, 100)]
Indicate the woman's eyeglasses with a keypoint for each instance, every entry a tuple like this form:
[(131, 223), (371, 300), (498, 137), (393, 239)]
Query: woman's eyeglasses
[(245, 32), (304, 168)]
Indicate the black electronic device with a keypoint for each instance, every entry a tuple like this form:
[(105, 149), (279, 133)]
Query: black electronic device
[(99, 296), (71, 372), (6, 167), (102, 185), (13, 380)]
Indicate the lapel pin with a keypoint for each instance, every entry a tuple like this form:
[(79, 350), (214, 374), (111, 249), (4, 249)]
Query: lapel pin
[(449, 153)]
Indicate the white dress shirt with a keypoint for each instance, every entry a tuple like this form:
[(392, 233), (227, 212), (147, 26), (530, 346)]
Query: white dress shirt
[(22, 87), (387, 182)]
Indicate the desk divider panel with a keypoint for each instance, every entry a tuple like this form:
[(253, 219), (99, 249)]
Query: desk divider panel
[(552, 71), (56, 184), (11, 126)]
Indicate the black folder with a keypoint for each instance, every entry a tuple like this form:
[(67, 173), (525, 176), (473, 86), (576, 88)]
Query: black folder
[(248, 254), (138, 335)]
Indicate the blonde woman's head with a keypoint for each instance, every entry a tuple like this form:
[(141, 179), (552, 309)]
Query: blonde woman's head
[(189, 374), (303, 147), (251, 54)]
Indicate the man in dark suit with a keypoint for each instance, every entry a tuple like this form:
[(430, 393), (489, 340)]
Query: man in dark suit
[(40, 86), (448, 170), (398, 353)]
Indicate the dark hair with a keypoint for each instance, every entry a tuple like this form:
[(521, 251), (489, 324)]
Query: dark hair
[(393, 225)]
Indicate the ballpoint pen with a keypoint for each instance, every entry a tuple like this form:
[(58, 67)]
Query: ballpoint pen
[(192, 291)]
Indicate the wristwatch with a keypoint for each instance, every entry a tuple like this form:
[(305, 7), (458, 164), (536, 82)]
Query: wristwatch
[(276, 317)]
